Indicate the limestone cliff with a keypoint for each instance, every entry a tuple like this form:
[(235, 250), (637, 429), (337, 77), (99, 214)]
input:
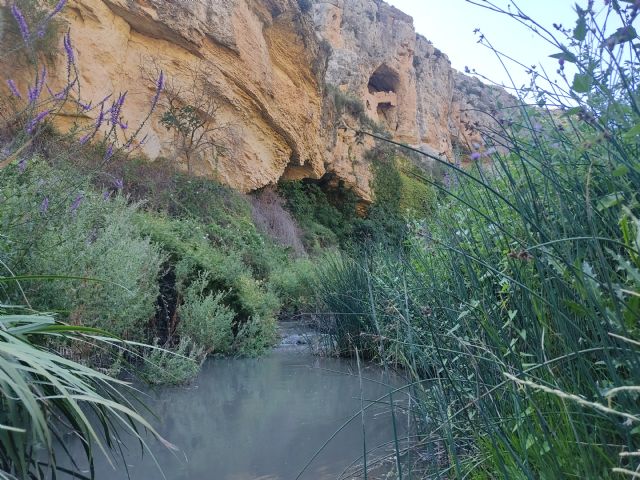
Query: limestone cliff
[(272, 67), (407, 84)]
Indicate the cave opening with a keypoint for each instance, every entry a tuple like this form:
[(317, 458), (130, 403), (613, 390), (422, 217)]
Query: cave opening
[(384, 110), (382, 96), (384, 79)]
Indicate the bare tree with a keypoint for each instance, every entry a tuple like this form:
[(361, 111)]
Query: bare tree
[(191, 108)]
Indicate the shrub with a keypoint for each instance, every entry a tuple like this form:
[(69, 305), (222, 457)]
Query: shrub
[(205, 319), (293, 283), (256, 336), (173, 367), (327, 219), (418, 199), (348, 104), (54, 224), (195, 252)]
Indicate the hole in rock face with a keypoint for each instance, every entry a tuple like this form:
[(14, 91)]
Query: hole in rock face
[(387, 115), (384, 79), (384, 110)]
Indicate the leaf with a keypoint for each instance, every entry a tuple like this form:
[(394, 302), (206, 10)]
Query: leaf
[(609, 201), (632, 133), (582, 82), (576, 308), (580, 32), (529, 442), (572, 111), (622, 35), (567, 56), (621, 171), (546, 448)]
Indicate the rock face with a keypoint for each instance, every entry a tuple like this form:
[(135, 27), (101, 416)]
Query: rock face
[(407, 85), (271, 66)]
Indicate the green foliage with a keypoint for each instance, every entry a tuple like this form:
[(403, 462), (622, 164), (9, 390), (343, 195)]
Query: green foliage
[(342, 287), (514, 308), (79, 234), (326, 222), (184, 119), (173, 367), (293, 284), (386, 218), (193, 251), (205, 319), (347, 104), (418, 199), (256, 336), (328, 215), (44, 396)]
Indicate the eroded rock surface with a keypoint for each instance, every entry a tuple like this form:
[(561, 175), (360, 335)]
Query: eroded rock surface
[(273, 68), (406, 83)]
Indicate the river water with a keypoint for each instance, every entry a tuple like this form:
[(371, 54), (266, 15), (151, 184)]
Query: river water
[(264, 418)]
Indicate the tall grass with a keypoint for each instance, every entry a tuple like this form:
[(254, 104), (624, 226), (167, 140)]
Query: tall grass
[(516, 307)]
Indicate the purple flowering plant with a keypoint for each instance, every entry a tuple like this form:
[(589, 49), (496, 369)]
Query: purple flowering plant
[(33, 100)]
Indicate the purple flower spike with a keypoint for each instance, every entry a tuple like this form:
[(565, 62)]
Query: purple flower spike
[(106, 195), (109, 153), (44, 206), (22, 165), (34, 93), (160, 83), (84, 139), (14, 88), (100, 119), (68, 48), (475, 156), (118, 183), (57, 9), (116, 107), (34, 123), (446, 179), (22, 23), (76, 203)]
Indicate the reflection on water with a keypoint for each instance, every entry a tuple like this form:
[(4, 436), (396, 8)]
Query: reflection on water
[(265, 418)]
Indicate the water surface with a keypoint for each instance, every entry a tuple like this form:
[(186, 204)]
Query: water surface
[(264, 418)]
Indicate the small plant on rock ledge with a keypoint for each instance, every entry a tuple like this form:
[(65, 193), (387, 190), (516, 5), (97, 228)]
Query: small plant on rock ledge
[(192, 110)]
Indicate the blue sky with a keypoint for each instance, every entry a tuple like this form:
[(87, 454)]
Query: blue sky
[(449, 24)]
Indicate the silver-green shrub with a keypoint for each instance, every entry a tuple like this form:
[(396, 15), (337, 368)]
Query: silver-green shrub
[(54, 224), (205, 318), (173, 367)]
